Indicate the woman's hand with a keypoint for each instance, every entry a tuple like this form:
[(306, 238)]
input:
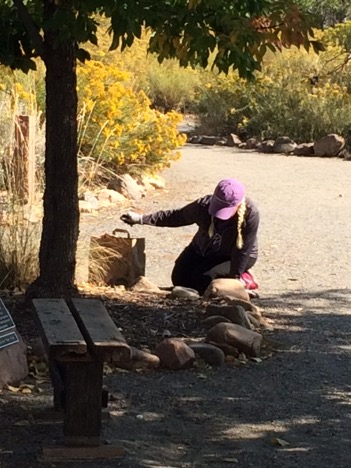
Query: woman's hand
[(132, 218)]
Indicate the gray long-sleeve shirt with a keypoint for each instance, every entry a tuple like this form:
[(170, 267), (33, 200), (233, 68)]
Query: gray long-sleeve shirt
[(222, 242)]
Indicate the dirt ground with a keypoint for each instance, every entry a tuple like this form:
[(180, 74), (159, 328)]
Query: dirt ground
[(291, 409)]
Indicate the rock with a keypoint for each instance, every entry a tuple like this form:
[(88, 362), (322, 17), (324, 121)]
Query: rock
[(180, 292), (234, 313), (144, 285), (304, 149), (208, 140), (211, 354), (156, 181), (252, 143), (38, 349), (227, 287), (227, 349), (104, 204), (194, 139), (111, 195), (174, 354), (247, 341), (140, 360), (127, 186), (234, 140), (266, 146), (211, 321), (329, 145), (224, 142), (86, 207), (284, 145), (13, 363), (92, 199), (345, 154)]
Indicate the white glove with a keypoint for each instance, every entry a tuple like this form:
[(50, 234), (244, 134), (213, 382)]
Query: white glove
[(132, 218)]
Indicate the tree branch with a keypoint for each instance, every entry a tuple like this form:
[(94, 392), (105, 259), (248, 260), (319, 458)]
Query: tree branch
[(27, 20)]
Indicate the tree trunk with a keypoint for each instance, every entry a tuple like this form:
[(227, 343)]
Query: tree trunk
[(61, 212)]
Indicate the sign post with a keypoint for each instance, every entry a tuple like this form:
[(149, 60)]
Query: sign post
[(8, 334), (13, 351)]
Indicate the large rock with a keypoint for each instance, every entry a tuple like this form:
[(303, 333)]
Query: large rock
[(211, 354), (13, 363), (234, 313), (233, 140), (127, 186), (245, 340), (211, 321), (227, 287), (251, 143), (208, 140), (175, 354), (284, 145), (145, 285), (329, 145), (155, 181), (110, 195), (304, 149), (266, 146)]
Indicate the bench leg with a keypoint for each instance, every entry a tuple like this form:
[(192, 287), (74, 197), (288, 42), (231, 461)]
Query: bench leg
[(83, 402), (56, 374)]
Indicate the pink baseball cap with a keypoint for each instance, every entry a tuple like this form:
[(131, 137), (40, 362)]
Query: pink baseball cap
[(228, 194)]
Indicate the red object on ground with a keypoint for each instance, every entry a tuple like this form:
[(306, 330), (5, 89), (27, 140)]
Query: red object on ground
[(249, 280)]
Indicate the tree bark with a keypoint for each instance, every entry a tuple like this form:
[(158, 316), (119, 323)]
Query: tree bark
[(57, 257)]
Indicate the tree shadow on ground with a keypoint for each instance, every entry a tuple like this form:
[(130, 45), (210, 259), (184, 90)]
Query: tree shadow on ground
[(230, 416)]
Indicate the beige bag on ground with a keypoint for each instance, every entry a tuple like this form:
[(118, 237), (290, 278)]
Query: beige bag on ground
[(116, 260)]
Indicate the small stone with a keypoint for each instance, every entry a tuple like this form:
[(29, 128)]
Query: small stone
[(175, 354)]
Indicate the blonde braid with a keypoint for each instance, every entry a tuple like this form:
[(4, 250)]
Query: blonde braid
[(241, 218), (211, 228)]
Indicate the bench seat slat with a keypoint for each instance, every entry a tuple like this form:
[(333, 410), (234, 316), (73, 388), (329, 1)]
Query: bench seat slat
[(103, 337), (59, 330)]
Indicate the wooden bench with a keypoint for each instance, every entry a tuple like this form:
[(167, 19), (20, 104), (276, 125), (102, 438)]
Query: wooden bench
[(79, 336)]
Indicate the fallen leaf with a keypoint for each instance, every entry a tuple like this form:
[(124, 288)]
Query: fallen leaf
[(256, 359), (280, 442), (23, 423), (13, 389), (230, 460), (201, 376)]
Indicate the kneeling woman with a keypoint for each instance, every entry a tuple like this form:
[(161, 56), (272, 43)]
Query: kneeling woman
[(225, 244)]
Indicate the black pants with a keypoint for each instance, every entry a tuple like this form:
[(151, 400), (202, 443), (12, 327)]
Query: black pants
[(190, 267)]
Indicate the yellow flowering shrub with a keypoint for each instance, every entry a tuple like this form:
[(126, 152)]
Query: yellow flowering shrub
[(117, 125)]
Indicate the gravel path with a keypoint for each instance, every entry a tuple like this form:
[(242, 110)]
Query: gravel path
[(303, 393), (305, 206)]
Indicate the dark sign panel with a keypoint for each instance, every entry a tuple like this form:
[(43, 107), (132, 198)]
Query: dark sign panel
[(8, 339), (6, 322)]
